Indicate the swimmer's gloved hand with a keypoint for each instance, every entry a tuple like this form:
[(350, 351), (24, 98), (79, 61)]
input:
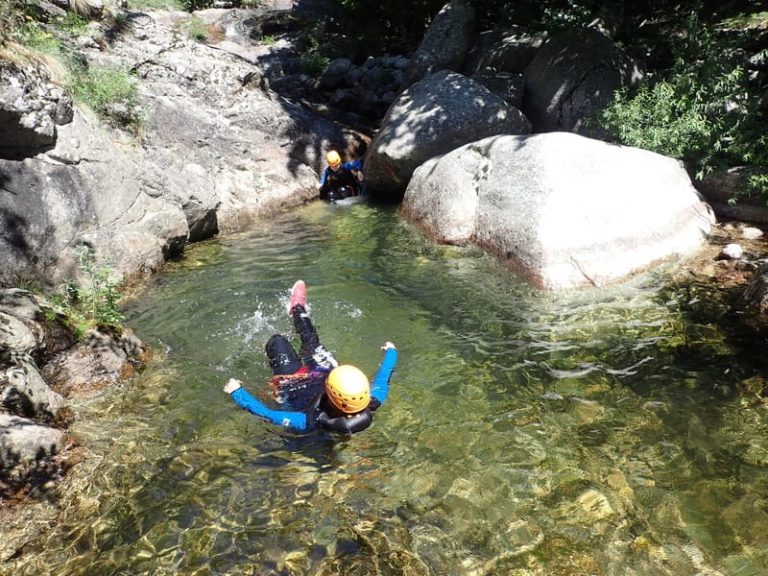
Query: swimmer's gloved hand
[(232, 385)]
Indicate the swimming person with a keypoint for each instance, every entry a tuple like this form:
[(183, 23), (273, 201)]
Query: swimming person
[(320, 393), (340, 180)]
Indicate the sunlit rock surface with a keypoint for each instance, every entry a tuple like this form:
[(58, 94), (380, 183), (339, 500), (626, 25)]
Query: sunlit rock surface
[(564, 210), (215, 151), (432, 117)]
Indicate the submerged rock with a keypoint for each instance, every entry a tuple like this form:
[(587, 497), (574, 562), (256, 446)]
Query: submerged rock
[(34, 417)]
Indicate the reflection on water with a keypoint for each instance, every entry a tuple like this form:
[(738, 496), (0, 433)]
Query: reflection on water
[(592, 432)]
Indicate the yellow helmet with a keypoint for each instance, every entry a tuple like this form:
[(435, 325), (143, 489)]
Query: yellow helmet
[(348, 389), (333, 159)]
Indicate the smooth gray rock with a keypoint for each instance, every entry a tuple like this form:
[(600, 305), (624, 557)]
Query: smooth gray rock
[(432, 117), (722, 187), (508, 86), (27, 450), (16, 335), (503, 49), (756, 293), (446, 42), (564, 210), (572, 78)]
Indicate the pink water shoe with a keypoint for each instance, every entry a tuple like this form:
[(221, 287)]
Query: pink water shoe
[(298, 295)]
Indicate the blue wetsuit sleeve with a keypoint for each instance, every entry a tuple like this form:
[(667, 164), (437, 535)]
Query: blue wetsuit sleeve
[(380, 387), (353, 165), (294, 420), (324, 177)]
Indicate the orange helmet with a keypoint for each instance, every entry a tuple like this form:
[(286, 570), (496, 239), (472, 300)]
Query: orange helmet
[(333, 159), (348, 389)]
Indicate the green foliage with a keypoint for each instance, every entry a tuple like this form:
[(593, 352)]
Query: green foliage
[(313, 63), (701, 112), (74, 24), (92, 305), (194, 27), (111, 92), (191, 5), (662, 119), (313, 51), (31, 35), (558, 15)]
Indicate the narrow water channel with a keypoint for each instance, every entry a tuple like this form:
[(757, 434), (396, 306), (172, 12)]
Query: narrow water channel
[(590, 432)]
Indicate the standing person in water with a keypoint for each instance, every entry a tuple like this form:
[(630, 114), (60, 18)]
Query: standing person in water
[(320, 394), (340, 180)]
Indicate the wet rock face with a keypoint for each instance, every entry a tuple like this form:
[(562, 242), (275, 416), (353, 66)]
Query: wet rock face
[(99, 361), (214, 154), (756, 294)]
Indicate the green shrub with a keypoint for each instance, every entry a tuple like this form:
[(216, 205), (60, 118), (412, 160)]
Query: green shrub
[(662, 119), (194, 28), (93, 304), (33, 36), (191, 5), (111, 92), (313, 63), (73, 23), (702, 111)]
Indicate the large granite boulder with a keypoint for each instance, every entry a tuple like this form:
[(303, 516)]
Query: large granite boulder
[(432, 117), (572, 78), (446, 42), (721, 187), (564, 210), (503, 49)]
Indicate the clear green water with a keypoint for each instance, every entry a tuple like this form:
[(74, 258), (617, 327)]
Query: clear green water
[(593, 432)]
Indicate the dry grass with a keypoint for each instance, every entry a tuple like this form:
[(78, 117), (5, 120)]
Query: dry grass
[(80, 7), (24, 57)]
